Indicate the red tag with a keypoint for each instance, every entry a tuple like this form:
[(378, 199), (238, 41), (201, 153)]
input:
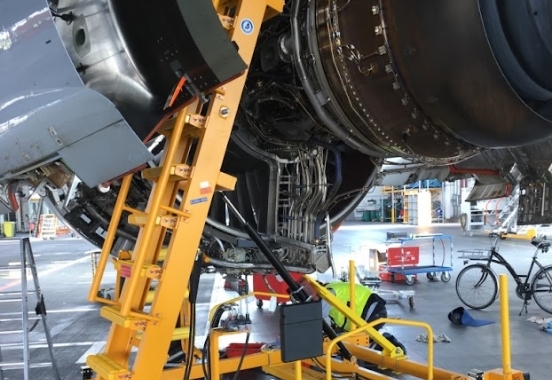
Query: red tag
[(126, 271)]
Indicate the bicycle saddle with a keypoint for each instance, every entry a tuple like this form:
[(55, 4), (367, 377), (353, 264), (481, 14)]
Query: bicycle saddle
[(540, 243)]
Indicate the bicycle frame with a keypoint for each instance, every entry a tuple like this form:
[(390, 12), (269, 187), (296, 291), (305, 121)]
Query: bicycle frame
[(497, 258)]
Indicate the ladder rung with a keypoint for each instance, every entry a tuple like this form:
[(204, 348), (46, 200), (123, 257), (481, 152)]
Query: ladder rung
[(178, 172), (150, 271), (18, 319), (5, 300), (194, 127), (195, 121), (168, 221), (225, 182), (106, 368), (136, 321), (6, 332), (178, 334), (226, 21), (18, 365), (151, 295)]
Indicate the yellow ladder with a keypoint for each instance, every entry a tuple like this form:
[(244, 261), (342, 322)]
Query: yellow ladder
[(151, 331)]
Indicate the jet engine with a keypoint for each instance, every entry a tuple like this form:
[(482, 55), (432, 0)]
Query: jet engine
[(336, 90)]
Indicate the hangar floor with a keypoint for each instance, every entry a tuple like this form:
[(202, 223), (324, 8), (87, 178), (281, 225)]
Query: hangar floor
[(64, 267)]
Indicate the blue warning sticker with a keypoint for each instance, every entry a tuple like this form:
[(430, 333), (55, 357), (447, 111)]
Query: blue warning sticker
[(247, 26), (198, 200)]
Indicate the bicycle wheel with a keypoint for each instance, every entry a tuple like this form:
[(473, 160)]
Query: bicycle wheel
[(476, 286), (541, 285)]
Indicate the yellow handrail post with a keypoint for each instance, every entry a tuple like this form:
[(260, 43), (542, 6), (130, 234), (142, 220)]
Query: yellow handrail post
[(298, 371), (505, 321), (352, 283)]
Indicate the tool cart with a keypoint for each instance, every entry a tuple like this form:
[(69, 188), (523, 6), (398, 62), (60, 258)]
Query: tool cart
[(403, 255)]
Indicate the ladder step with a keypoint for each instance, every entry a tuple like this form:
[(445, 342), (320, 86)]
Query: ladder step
[(178, 334), (106, 368), (124, 268), (225, 182), (178, 172), (6, 332), (151, 295), (18, 319), (136, 321), (194, 126), (169, 221), (18, 365)]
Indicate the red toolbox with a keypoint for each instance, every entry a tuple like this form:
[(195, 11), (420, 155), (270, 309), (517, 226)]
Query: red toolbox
[(405, 256), (399, 257), (385, 275), (236, 349), (276, 283)]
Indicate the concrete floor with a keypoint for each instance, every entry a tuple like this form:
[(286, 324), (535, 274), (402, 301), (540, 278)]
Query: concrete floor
[(65, 275)]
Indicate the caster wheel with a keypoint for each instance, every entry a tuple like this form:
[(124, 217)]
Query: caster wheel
[(100, 294), (409, 280), (445, 276), (260, 304), (392, 278), (108, 296), (411, 301), (430, 276)]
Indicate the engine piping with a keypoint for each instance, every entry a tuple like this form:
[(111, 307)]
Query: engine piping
[(307, 87)]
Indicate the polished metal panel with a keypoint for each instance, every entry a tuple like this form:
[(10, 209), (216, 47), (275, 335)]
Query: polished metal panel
[(94, 44), (44, 106), (121, 143)]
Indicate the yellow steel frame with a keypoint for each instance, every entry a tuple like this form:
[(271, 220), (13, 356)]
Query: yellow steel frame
[(152, 330), (212, 132)]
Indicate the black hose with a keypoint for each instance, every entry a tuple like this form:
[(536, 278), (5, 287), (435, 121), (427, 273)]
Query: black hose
[(193, 287), (215, 322), (307, 87), (242, 356), (335, 187), (296, 290), (206, 368)]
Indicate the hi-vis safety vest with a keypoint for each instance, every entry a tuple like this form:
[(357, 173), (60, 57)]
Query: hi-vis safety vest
[(343, 293)]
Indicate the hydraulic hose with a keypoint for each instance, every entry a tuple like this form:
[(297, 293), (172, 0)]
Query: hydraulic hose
[(298, 291)]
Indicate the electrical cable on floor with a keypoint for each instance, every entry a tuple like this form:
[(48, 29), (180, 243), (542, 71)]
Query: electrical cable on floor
[(242, 355)]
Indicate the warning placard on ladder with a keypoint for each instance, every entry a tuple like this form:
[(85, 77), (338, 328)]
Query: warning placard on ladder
[(47, 226)]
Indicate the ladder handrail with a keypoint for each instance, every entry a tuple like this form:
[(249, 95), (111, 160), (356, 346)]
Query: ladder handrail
[(212, 132), (27, 261)]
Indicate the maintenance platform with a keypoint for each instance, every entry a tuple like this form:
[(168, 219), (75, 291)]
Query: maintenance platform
[(78, 331)]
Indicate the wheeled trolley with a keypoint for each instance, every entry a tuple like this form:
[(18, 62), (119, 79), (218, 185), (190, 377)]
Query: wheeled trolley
[(405, 263), (368, 276)]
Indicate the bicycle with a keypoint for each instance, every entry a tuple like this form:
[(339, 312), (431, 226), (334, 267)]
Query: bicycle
[(475, 278)]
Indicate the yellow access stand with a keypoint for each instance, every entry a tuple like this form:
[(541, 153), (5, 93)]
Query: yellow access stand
[(152, 331)]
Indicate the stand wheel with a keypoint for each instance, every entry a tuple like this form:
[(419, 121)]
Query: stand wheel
[(445, 276), (411, 301), (409, 280), (260, 304)]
